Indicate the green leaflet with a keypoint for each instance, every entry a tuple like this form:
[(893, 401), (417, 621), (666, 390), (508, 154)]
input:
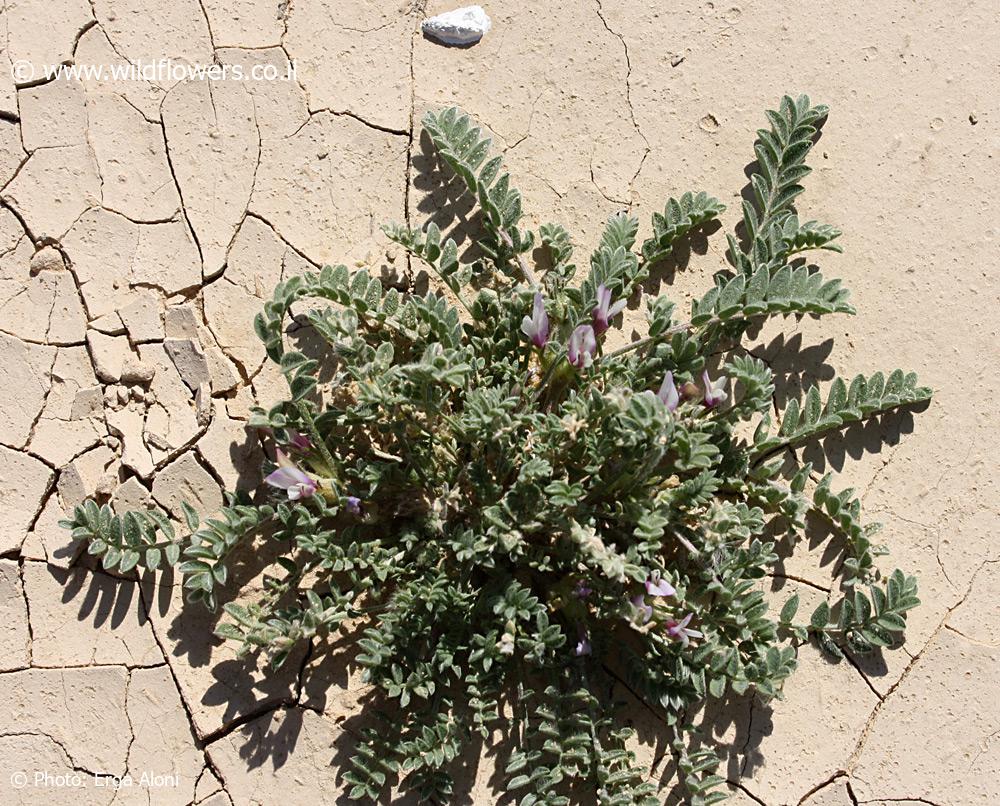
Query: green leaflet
[(785, 291), (771, 226), (865, 397), (679, 218), (460, 145)]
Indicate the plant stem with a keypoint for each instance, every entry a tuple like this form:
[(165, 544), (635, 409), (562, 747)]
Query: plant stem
[(640, 343), (529, 275), (320, 443)]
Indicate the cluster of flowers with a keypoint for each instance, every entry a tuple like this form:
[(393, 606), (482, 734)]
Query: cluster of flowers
[(582, 346), (580, 351), (641, 613), (296, 483)]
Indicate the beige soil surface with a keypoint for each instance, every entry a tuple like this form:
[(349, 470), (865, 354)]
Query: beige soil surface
[(143, 222)]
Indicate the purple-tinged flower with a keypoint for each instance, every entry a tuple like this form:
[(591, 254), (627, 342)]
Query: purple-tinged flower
[(506, 644), (715, 391), (641, 610), (678, 630), (290, 478), (536, 326), (655, 586), (298, 442), (605, 311), (353, 505), (668, 393), (582, 345), (581, 591), (583, 643)]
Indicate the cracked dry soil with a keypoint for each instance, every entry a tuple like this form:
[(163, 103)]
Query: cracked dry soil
[(142, 224)]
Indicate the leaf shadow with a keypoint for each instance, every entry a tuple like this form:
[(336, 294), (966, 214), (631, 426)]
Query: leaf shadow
[(446, 200), (795, 366), (106, 599), (663, 272)]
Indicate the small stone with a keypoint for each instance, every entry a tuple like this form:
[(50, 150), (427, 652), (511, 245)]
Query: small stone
[(128, 424), (190, 362), (110, 324), (142, 317), (180, 323), (123, 394), (676, 59), (112, 442), (203, 405), (158, 442), (149, 398), (109, 354), (46, 259), (86, 403), (463, 26), (973, 118), (135, 371), (106, 485)]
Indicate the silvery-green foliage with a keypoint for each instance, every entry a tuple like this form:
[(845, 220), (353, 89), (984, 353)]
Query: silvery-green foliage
[(509, 516)]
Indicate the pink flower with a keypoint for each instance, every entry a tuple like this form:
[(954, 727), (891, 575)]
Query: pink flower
[(605, 311), (668, 393), (655, 586), (583, 643), (582, 346), (678, 630), (715, 391), (290, 478), (298, 442), (536, 326), (641, 610), (353, 505)]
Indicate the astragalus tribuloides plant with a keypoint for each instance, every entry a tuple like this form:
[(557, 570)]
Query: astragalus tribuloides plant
[(509, 514)]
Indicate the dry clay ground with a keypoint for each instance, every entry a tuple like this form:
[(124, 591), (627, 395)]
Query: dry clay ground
[(143, 223)]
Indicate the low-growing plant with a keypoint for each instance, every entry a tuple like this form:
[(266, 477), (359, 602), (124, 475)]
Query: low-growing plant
[(507, 513)]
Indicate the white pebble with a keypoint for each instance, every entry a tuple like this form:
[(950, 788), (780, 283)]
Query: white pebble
[(463, 26)]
